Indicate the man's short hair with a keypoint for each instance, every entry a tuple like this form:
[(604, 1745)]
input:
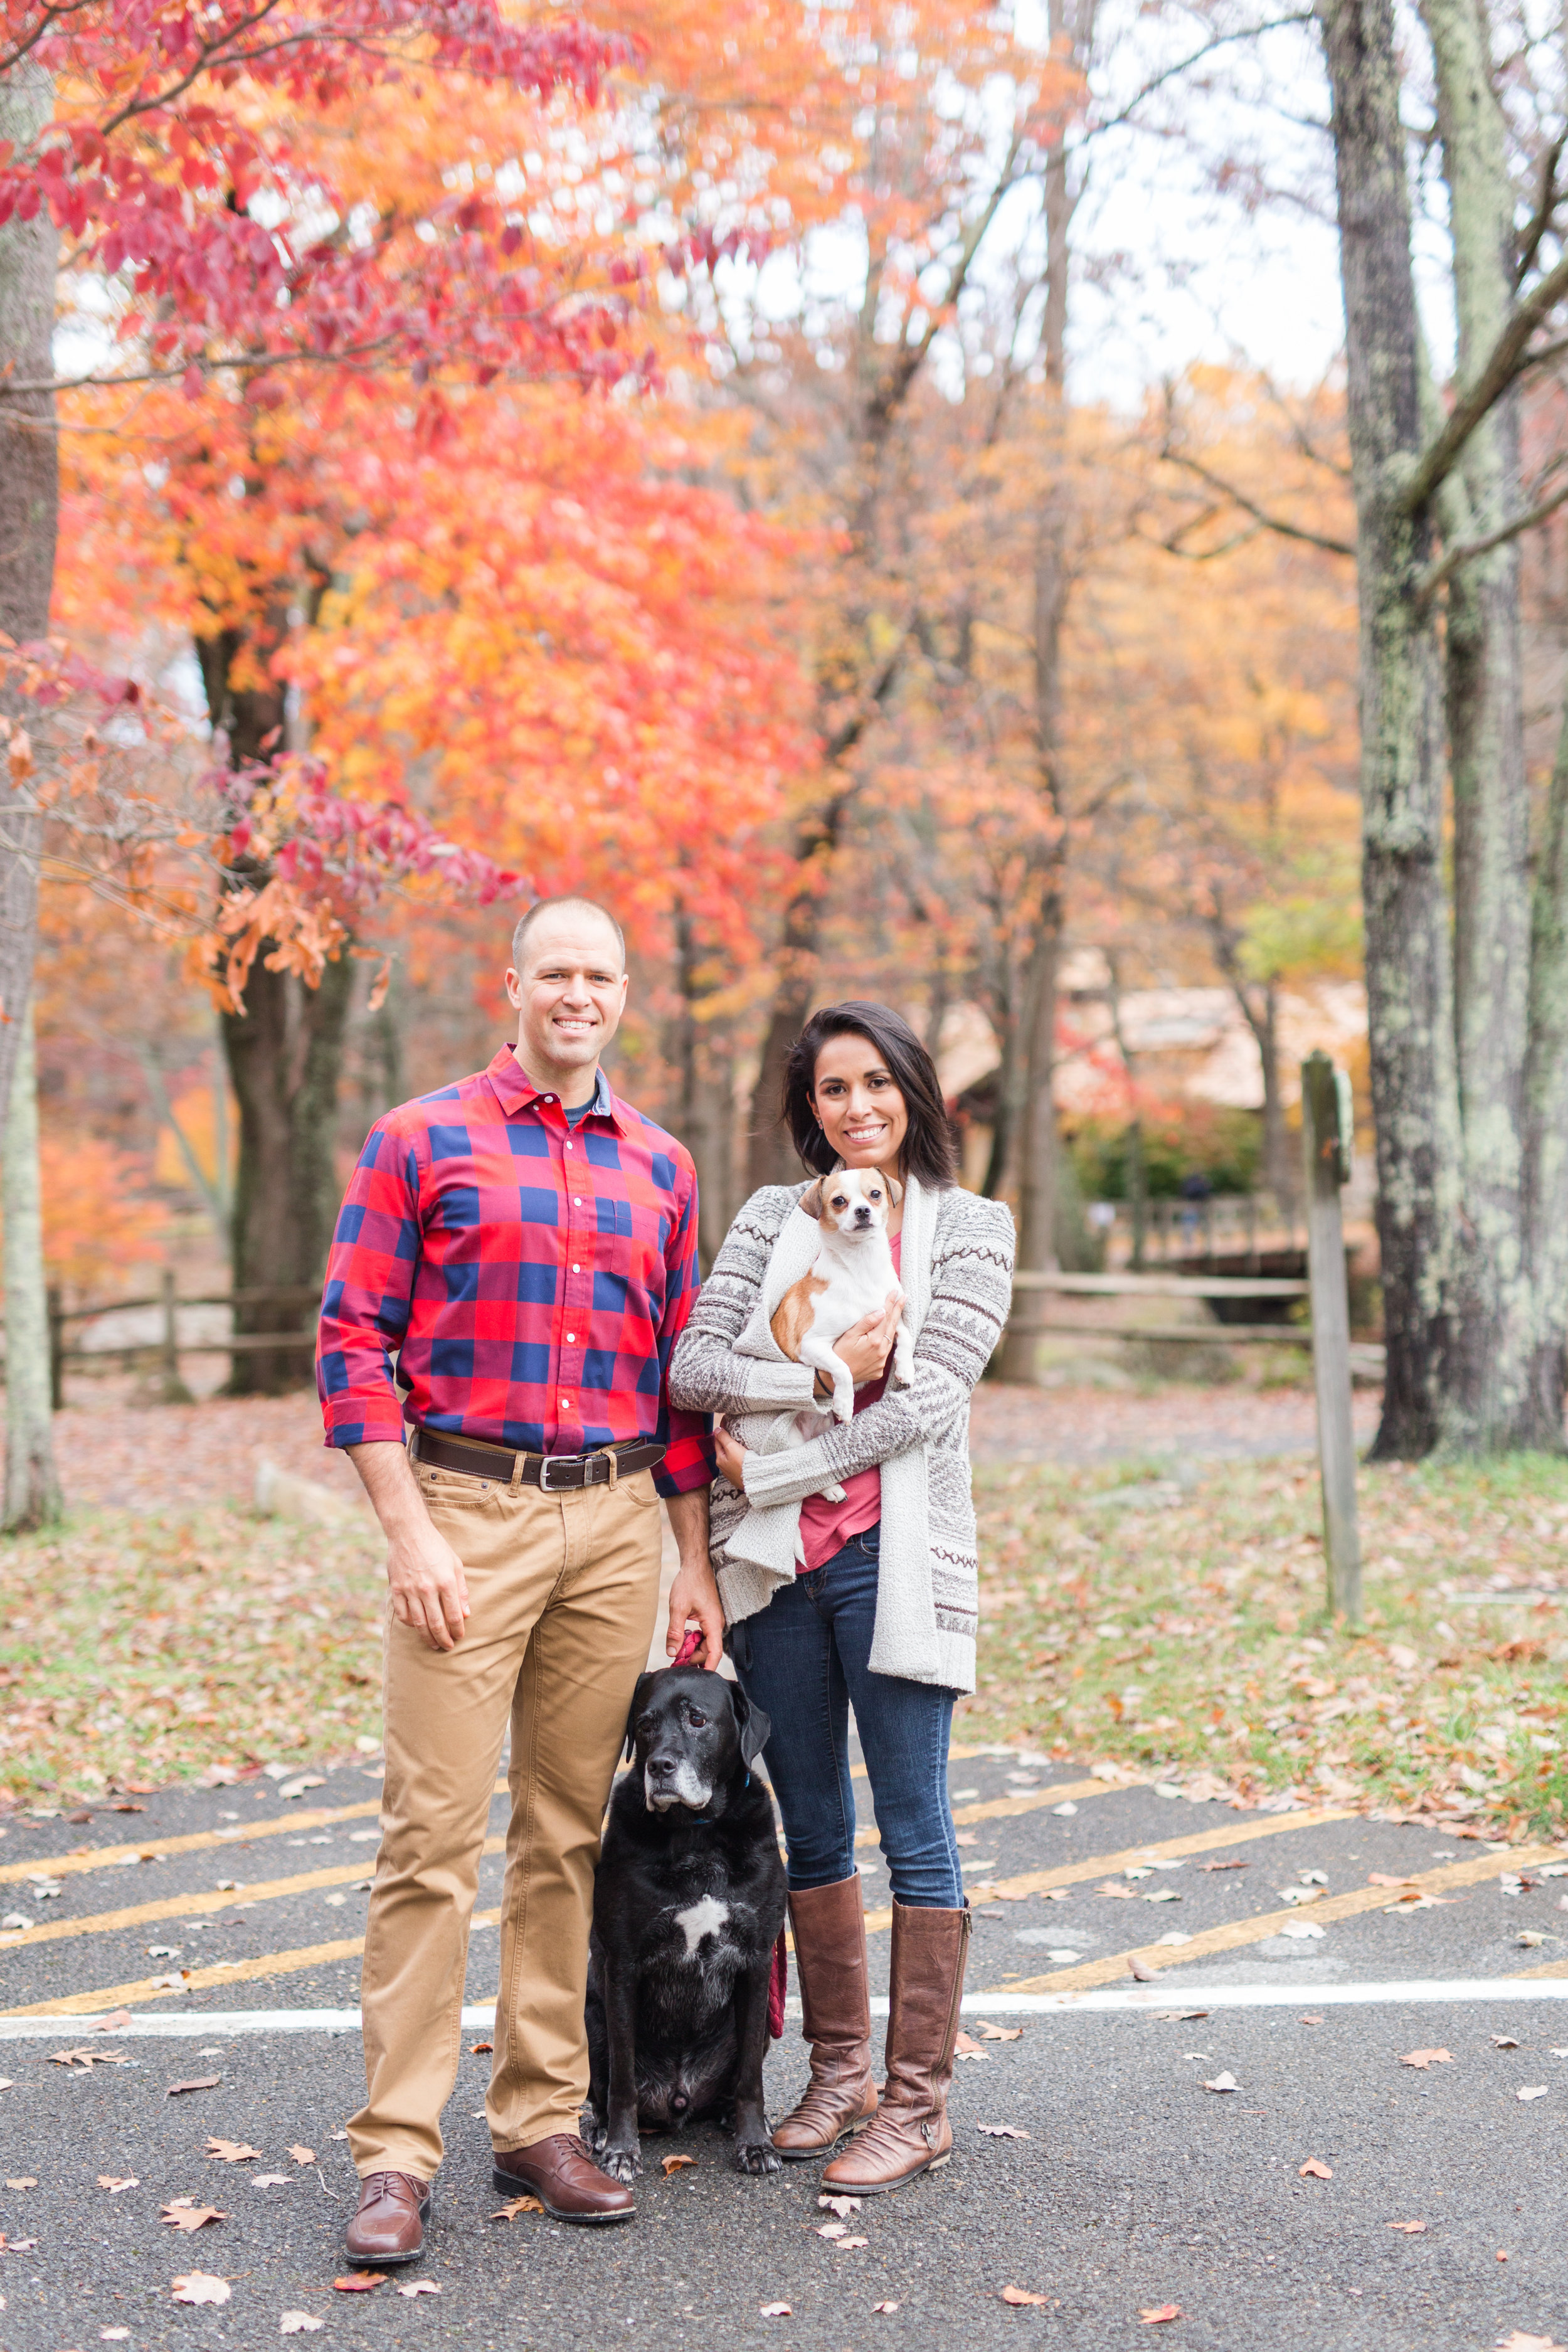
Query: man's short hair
[(549, 906)]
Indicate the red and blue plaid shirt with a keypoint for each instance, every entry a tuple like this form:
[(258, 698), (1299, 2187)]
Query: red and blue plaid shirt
[(530, 1277)]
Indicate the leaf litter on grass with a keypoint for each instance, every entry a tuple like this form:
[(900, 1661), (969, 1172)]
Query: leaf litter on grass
[(1217, 1605)]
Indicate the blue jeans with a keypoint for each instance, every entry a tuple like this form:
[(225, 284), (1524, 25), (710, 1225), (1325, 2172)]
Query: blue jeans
[(803, 1660)]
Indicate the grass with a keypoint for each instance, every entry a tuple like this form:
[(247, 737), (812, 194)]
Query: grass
[(136, 1650), (1126, 1617), (1150, 1622)]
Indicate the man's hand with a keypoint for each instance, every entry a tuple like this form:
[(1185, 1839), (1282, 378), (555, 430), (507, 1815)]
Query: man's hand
[(429, 1591), (694, 1592), (867, 1345)]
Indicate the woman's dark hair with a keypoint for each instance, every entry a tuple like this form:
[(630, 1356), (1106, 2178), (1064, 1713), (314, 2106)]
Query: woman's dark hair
[(928, 1153)]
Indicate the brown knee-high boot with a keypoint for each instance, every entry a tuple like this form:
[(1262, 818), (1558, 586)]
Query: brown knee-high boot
[(910, 2132), (829, 1927)]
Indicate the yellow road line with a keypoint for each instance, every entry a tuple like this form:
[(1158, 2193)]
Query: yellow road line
[(107, 1923), (114, 1857), (1269, 1923), (1036, 1881)]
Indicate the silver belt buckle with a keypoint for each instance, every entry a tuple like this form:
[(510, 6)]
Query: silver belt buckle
[(544, 1462)]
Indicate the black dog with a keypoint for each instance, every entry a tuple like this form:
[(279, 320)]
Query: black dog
[(689, 1900)]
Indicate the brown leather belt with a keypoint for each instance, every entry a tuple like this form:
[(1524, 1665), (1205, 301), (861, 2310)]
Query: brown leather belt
[(554, 1473)]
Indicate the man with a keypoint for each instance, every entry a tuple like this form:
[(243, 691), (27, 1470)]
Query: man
[(526, 1245)]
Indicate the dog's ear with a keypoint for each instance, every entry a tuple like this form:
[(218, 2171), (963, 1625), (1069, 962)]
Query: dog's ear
[(895, 1190), (638, 1696), (811, 1198), (752, 1725)]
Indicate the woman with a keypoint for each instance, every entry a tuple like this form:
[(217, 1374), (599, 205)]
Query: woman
[(883, 1613)]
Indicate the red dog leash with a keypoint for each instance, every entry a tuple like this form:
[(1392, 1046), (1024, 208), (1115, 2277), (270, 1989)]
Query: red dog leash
[(778, 1977)]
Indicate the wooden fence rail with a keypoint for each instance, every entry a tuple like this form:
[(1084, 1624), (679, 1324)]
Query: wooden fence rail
[(168, 1348)]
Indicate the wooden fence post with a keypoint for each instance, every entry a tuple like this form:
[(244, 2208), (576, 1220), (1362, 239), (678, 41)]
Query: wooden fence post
[(174, 1388), (55, 1297), (1326, 1149)]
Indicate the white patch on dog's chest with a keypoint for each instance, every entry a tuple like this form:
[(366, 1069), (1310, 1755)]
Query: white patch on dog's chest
[(700, 1919)]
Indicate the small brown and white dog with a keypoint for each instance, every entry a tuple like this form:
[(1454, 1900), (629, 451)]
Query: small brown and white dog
[(851, 1278)]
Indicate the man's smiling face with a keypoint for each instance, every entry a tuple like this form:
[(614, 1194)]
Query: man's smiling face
[(570, 994)]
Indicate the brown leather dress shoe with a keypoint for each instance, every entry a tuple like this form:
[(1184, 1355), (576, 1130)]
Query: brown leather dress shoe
[(564, 2177), (388, 2227)]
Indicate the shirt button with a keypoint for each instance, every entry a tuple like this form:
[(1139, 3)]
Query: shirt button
[(576, 1269), (565, 1405), (572, 1335), (576, 1200), (568, 1147)]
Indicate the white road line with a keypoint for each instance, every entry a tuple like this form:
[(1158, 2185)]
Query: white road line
[(1171, 1994)]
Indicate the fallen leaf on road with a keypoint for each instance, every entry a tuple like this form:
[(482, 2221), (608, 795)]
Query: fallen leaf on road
[(115, 2182), (677, 2164), (884, 2306), (115, 2022), (478, 2048), (1382, 1878), (1535, 2091), (164, 1951), (1529, 1937), (302, 2155), (1502, 2253), (1424, 2058), (1136, 1970), (200, 2286), (360, 2281), (516, 2205), (1411, 2228), (231, 2151), (420, 2286), (87, 2059), (173, 1982), (114, 2335), (298, 2322), (1000, 2033), (16, 2246), (831, 2229), (1159, 2311), (1114, 1886), (1504, 2041), (273, 2179), (184, 2214), (845, 2245), (1020, 2296), (1314, 2170), (1164, 1895), (964, 2047), (24, 2181), (1224, 1866), (775, 2311), (1311, 2017), (1002, 2131), (199, 2082), (1223, 2083), (1515, 2342), (965, 1837), (843, 2206)]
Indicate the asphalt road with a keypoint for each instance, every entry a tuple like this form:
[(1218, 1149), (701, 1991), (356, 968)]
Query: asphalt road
[(1131, 2188)]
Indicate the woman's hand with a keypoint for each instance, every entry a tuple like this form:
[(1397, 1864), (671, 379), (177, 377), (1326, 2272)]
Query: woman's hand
[(732, 1456), (867, 1345)]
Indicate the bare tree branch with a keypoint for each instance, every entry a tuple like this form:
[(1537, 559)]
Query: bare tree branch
[(1276, 523), (1508, 359), (1468, 550), (1546, 205)]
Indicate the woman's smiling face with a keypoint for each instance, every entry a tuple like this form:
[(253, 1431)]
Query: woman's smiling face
[(862, 1110)]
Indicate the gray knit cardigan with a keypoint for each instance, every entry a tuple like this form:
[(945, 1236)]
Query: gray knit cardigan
[(970, 1289)]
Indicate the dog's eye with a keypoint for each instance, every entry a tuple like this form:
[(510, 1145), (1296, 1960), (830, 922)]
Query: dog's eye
[(698, 1722)]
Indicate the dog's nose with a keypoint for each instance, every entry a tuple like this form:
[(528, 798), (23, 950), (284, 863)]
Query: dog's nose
[(661, 1767)]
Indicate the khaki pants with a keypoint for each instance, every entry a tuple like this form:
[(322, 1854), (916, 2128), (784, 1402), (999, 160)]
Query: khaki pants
[(563, 1590)]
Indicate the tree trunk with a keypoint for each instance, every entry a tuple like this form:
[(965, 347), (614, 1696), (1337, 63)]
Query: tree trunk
[(771, 1157), (1037, 1129), (1409, 983), (29, 507), (706, 1118), (1539, 1420), (1487, 1378), (32, 1486), (285, 1058)]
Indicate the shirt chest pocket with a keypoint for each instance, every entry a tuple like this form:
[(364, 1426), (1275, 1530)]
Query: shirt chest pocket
[(628, 1261)]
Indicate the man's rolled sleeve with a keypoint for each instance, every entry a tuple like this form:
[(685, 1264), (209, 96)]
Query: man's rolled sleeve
[(369, 1285), (688, 1437)]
